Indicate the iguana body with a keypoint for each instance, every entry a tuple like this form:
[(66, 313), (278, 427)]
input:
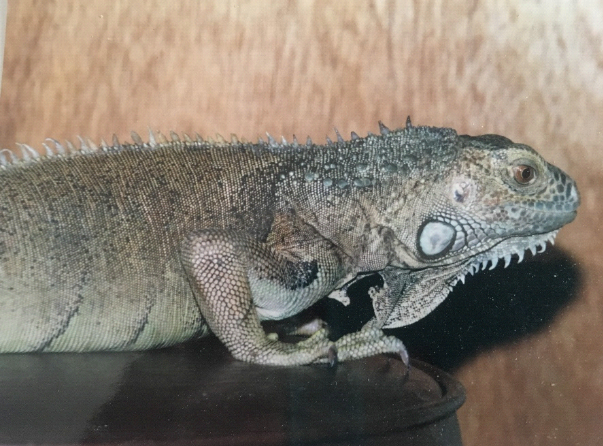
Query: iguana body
[(144, 245)]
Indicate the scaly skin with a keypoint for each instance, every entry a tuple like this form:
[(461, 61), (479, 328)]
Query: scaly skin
[(145, 245)]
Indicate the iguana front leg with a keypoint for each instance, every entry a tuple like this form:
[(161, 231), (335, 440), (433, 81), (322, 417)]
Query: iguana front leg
[(234, 278), (371, 340)]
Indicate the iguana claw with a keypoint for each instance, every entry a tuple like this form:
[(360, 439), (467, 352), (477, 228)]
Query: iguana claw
[(404, 357), (332, 356)]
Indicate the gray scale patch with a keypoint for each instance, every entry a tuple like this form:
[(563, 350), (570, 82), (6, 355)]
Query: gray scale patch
[(362, 182), (310, 176), (389, 168)]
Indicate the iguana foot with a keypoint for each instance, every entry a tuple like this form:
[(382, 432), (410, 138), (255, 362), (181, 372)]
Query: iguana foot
[(320, 337), (316, 348), (369, 342)]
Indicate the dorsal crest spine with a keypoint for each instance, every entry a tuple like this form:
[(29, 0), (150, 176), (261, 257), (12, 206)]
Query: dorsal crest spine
[(53, 147)]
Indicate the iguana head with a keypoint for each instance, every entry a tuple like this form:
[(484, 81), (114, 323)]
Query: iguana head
[(489, 200), (495, 199)]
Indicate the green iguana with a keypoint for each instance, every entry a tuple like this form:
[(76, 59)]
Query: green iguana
[(144, 245)]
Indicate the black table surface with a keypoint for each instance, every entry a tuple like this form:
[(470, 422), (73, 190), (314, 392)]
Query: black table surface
[(197, 394)]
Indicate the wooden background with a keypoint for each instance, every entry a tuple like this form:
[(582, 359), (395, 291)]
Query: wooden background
[(532, 71)]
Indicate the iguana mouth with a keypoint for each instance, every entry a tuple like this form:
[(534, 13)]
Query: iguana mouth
[(504, 250)]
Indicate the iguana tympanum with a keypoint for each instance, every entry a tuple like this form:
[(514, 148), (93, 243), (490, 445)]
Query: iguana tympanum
[(144, 245)]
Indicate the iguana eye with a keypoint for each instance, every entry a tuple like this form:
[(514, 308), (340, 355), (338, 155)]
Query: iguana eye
[(524, 174)]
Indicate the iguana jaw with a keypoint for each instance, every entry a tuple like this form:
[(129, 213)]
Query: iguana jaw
[(436, 283), (503, 250)]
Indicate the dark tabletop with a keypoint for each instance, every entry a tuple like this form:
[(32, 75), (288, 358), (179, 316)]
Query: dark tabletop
[(197, 394)]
